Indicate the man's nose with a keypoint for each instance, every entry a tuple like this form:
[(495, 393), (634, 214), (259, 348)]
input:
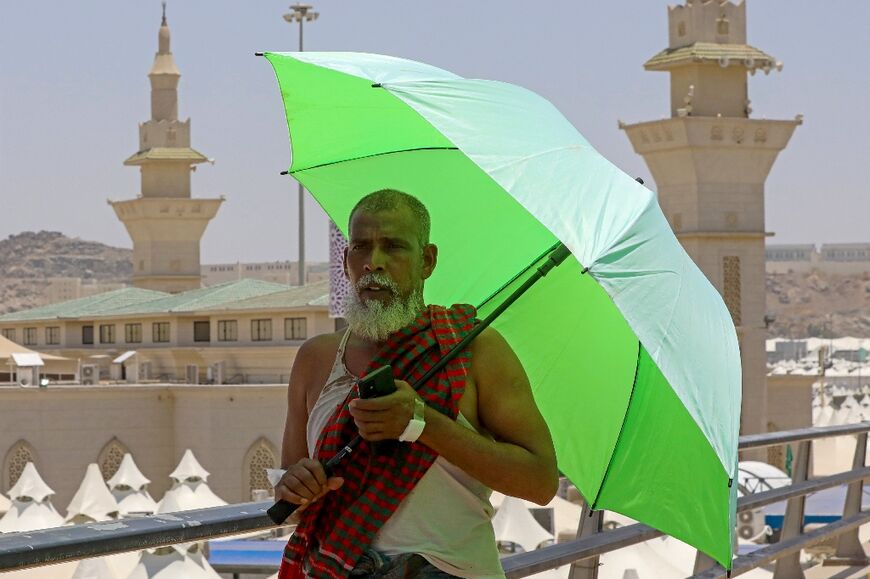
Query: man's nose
[(376, 262)]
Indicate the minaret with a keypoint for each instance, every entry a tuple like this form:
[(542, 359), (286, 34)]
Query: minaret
[(710, 161), (165, 223)]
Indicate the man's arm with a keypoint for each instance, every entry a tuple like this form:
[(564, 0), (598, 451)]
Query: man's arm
[(305, 480), (520, 461)]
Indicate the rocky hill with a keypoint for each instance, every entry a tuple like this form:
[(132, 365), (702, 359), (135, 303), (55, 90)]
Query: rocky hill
[(814, 304), (819, 304), (28, 260)]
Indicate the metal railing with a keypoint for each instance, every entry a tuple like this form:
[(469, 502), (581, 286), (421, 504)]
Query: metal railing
[(36, 548)]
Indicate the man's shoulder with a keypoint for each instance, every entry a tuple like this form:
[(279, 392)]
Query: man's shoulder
[(320, 346), (489, 346)]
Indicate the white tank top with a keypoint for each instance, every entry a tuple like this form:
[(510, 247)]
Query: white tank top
[(446, 518)]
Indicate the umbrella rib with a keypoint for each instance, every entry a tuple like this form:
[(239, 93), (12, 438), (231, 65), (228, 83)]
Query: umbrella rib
[(594, 503), (519, 274), (361, 157)]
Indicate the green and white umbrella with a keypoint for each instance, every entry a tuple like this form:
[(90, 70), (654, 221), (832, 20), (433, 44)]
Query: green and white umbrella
[(631, 353)]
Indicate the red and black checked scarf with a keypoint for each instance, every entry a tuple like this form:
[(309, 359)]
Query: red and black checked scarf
[(334, 532)]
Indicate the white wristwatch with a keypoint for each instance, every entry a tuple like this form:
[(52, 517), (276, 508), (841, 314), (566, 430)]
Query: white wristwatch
[(417, 423)]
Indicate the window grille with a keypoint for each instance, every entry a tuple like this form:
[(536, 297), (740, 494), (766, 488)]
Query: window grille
[(29, 336), (133, 333), (731, 289), (16, 459), (295, 328), (107, 333), (110, 458), (228, 330), (261, 330), (52, 335), (160, 332), (201, 332)]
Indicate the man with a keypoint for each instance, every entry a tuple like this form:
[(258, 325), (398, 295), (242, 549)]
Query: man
[(418, 508)]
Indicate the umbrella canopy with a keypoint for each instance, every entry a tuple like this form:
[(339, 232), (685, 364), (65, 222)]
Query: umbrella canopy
[(630, 351)]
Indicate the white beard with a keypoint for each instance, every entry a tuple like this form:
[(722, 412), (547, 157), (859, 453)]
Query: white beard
[(374, 320)]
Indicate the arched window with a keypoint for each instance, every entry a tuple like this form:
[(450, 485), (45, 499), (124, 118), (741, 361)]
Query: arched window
[(16, 459), (110, 457), (260, 456)]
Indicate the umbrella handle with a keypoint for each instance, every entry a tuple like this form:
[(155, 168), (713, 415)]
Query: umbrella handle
[(283, 509)]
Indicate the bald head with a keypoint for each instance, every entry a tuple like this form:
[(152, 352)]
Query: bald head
[(391, 200)]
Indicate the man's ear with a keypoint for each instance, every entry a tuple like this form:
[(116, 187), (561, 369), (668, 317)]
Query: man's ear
[(430, 259)]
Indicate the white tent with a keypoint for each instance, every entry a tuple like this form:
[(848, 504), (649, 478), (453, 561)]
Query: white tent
[(190, 489), (93, 501), (643, 560), (31, 507), (5, 503), (130, 488), (566, 515), (196, 555), (755, 476), (824, 417), (93, 569), (167, 563), (128, 475), (189, 469), (52, 364), (57, 571), (122, 564), (187, 496), (513, 522)]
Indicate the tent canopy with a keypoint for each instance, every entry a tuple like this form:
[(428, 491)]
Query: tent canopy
[(53, 364)]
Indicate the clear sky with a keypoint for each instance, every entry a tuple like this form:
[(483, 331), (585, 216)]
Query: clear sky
[(73, 88)]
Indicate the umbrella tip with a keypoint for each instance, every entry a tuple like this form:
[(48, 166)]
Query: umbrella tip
[(285, 172), (639, 180), (258, 54), (377, 85)]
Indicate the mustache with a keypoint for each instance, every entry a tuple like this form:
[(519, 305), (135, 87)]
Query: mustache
[(377, 278)]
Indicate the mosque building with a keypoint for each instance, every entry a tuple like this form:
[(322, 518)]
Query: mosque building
[(168, 327), (174, 362), (710, 160)]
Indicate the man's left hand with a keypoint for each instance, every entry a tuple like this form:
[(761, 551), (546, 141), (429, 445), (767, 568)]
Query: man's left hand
[(385, 417)]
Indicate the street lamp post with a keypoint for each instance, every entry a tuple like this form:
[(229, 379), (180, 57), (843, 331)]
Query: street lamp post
[(301, 13)]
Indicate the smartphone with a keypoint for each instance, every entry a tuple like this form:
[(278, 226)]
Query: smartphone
[(379, 382)]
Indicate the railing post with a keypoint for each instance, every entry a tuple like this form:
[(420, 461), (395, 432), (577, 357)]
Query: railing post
[(590, 524), (789, 567), (849, 546)]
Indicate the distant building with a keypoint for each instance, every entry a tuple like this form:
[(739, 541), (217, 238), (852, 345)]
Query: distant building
[(710, 160), (164, 221), (60, 289), (787, 253), (285, 272), (831, 258), (235, 431), (246, 331)]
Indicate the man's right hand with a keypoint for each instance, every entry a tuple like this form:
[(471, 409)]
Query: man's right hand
[(305, 482)]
